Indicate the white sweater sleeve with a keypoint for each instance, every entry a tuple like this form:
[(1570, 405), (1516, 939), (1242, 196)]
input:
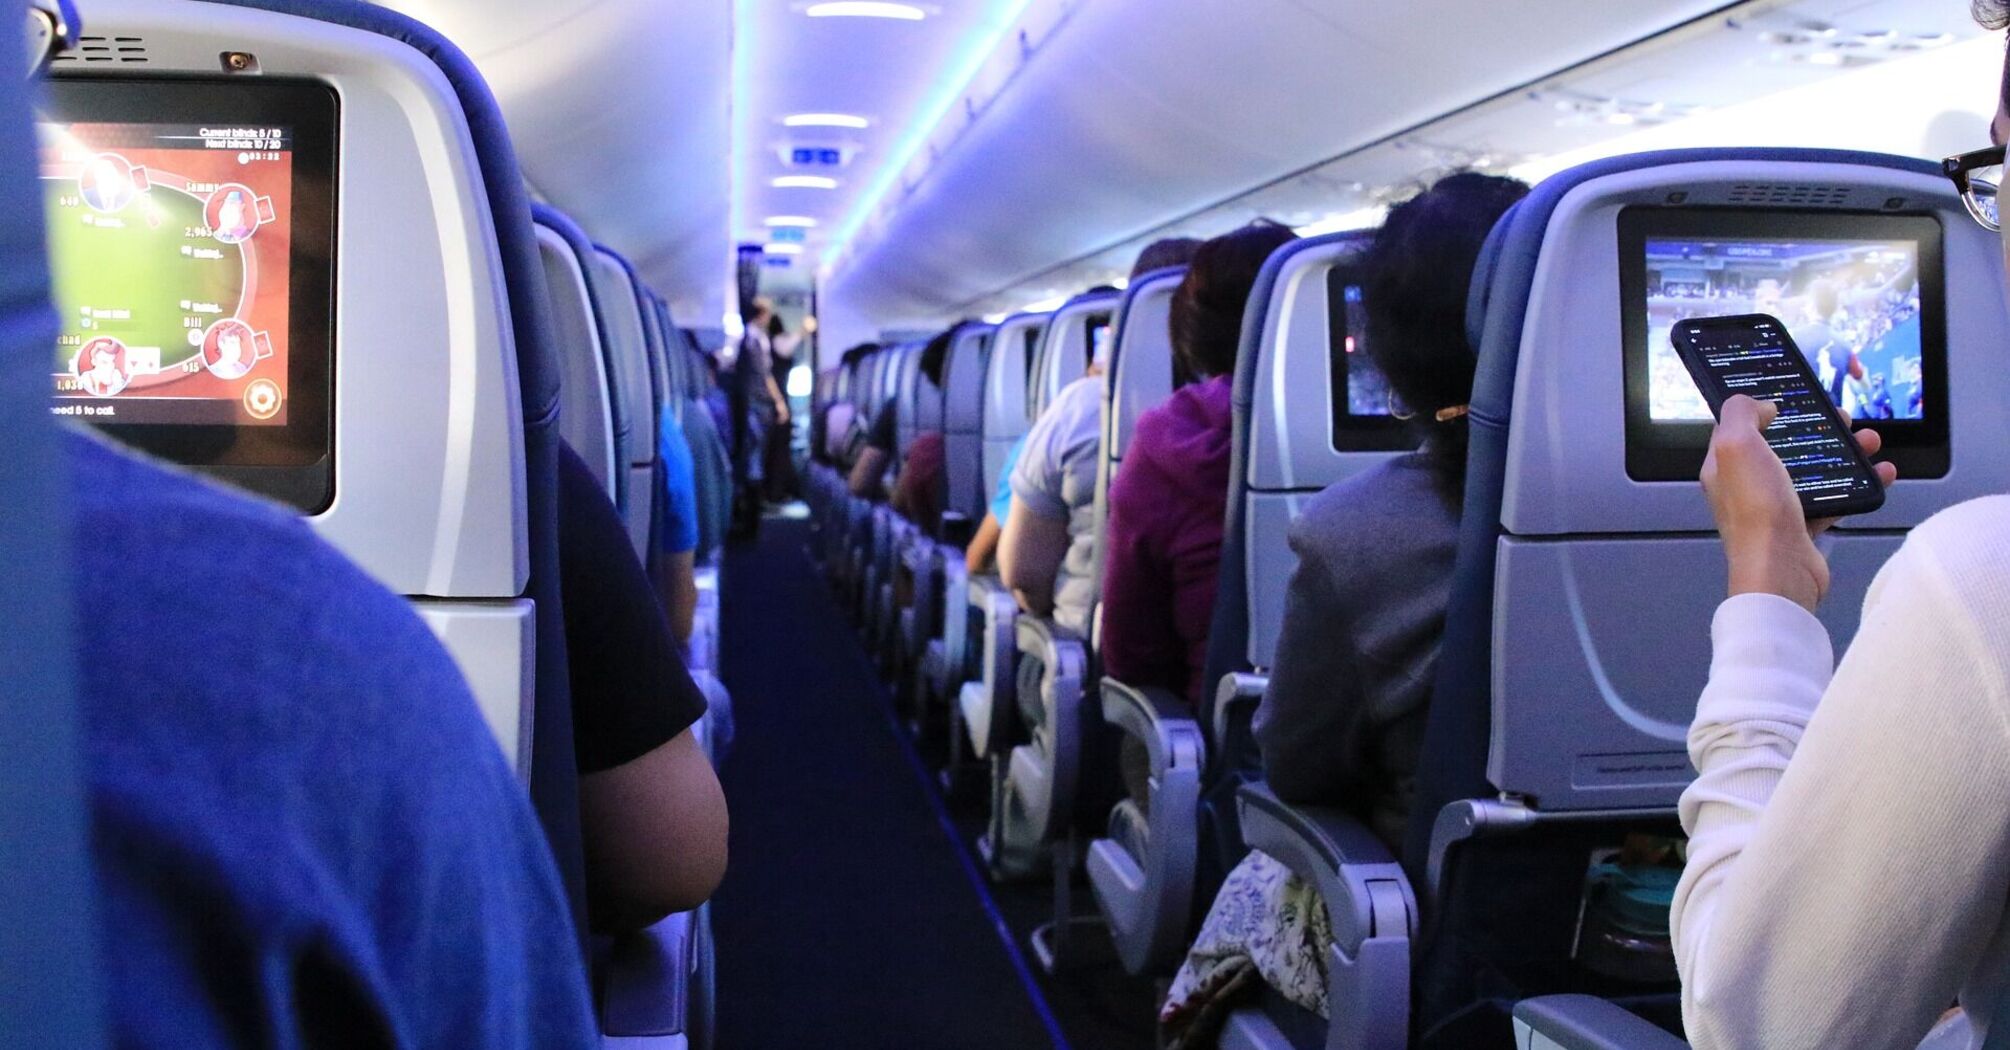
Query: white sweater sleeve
[(1848, 855)]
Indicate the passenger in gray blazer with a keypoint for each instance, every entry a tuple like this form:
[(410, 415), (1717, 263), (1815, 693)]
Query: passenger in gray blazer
[(1344, 716)]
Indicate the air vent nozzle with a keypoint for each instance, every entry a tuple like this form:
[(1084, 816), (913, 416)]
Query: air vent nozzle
[(1802, 193), (101, 50)]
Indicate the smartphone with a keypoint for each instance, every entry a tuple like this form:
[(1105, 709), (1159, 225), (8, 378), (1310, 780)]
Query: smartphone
[(1753, 354)]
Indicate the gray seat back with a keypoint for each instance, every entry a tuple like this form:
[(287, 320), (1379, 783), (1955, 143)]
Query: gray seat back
[(1585, 708), (586, 418), (627, 353), (429, 460), (1295, 446), (963, 420), (1007, 378), (1140, 375), (910, 400), (1067, 346)]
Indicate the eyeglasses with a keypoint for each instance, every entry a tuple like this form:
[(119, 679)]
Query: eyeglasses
[(1976, 175)]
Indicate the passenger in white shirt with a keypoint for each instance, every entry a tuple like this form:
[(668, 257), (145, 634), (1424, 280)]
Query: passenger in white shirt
[(1849, 851)]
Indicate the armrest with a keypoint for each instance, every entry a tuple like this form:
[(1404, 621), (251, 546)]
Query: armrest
[(1235, 717), (1060, 649), (1368, 902), (1585, 1022), (1361, 881), (1163, 722), (648, 980)]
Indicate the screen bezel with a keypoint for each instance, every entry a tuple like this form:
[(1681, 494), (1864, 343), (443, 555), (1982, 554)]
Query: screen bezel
[(1674, 451), (291, 462), (1352, 433)]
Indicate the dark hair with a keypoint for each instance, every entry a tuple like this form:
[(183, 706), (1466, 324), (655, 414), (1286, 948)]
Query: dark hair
[(936, 354), (775, 326), (1164, 252), (1993, 14), (1207, 308), (1419, 271)]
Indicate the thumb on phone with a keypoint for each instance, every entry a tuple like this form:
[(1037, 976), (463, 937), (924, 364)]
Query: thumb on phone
[(1741, 412)]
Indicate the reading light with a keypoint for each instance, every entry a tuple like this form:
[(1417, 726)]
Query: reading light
[(803, 222), (865, 9), (824, 120), (804, 182)]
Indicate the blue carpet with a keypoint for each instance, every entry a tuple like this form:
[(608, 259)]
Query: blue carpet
[(850, 915)]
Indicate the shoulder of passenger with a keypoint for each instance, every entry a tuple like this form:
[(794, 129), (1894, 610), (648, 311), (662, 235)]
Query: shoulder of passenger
[(1962, 556), (116, 487)]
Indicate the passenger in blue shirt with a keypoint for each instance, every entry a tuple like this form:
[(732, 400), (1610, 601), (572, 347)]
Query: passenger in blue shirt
[(302, 829), (674, 559), (983, 547)]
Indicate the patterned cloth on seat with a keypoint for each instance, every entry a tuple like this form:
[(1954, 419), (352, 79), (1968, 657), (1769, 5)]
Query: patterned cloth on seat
[(1267, 926)]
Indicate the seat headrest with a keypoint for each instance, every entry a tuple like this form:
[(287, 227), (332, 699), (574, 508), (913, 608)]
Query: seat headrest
[(1140, 364), (1283, 445), (502, 182), (963, 379), (587, 421), (1562, 531), (1066, 345), (631, 347), (1008, 408)]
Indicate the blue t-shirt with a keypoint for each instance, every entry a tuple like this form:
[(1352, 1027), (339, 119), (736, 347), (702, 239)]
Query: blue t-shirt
[(1001, 500), (301, 827), (679, 532)]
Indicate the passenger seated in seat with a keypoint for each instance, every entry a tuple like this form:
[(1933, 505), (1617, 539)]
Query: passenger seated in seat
[(1047, 541), (917, 491), (1047, 545), (1849, 856), (712, 477), (674, 561), (831, 429), (652, 813), (1343, 717), (1166, 504), (305, 828), (983, 549)]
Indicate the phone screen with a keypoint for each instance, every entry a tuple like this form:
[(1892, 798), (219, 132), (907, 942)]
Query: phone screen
[(1755, 356)]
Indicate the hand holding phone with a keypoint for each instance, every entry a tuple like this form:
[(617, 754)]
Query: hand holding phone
[(1754, 355), (1763, 519)]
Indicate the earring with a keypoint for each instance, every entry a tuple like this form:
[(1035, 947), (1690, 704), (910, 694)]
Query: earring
[(1397, 409)]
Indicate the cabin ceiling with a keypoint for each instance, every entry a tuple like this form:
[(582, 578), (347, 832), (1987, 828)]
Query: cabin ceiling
[(621, 115), (1019, 148)]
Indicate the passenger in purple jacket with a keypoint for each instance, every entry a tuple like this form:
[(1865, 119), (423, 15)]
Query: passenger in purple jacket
[(1167, 504)]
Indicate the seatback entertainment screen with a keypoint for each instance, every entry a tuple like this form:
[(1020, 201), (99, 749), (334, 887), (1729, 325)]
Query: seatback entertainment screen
[(1860, 294), (191, 243), (1365, 410), (1852, 306), (171, 253)]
